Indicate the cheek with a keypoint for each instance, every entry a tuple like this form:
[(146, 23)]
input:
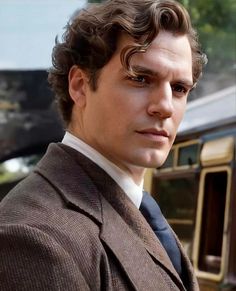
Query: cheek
[(109, 119), (180, 107)]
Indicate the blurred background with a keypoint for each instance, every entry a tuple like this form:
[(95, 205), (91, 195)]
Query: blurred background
[(28, 30), (28, 117)]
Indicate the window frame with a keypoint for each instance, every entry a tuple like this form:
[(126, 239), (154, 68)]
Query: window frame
[(197, 235), (176, 149)]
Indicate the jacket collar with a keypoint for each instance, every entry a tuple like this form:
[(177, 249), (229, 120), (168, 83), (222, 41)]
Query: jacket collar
[(70, 180), (104, 201)]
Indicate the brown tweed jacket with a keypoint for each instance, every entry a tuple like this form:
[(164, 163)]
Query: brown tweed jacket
[(68, 226)]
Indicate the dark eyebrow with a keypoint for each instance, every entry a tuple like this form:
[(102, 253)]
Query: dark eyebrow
[(186, 83), (145, 71), (149, 72)]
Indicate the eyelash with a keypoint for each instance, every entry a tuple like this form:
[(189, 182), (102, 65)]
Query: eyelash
[(140, 80), (176, 88)]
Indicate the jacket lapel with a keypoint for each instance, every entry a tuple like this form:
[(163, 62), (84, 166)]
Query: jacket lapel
[(134, 245), (130, 238), (129, 251)]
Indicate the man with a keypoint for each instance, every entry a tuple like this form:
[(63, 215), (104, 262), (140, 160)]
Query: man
[(121, 75)]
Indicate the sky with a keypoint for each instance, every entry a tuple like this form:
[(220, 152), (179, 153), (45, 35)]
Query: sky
[(28, 29)]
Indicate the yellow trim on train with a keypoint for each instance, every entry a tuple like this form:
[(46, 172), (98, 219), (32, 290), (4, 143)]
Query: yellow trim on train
[(218, 151), (196, 246)]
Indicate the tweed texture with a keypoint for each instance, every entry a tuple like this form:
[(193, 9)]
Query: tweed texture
[(69, 226)]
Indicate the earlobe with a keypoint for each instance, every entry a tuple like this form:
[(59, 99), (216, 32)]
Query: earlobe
[(77, 82)]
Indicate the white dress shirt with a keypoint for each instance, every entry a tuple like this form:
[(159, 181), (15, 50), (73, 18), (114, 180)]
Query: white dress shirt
[(134, 191)]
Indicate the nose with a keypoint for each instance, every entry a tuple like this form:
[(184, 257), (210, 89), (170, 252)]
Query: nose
[(161, 102)]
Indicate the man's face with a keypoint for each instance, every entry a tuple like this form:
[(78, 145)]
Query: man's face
[(133, 121)]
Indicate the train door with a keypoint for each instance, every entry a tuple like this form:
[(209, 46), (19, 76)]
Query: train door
[(213, 231)]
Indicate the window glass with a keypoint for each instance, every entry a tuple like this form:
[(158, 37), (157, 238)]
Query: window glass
[(188, 155), (176, 197)]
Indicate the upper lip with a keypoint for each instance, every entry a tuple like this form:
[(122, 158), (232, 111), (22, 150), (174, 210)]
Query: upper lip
[(154, 131)]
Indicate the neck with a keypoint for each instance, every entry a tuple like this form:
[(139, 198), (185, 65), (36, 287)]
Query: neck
[(134, 172)]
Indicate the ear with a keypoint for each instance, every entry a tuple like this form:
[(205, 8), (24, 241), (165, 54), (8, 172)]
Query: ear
[(78, 82)]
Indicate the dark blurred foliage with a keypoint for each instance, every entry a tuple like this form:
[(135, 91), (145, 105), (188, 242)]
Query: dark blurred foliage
[(216, 25), (215, 22)]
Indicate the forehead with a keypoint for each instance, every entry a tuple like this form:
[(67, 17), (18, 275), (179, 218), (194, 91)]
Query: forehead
[(166, 50), (174, 43), (170, 45)]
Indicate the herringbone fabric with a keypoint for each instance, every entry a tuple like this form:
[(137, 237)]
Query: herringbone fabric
[(69, 226)]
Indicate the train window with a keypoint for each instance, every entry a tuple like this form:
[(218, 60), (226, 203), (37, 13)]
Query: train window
[(177, 199), (212, 221), (14, 170), (188, 155)]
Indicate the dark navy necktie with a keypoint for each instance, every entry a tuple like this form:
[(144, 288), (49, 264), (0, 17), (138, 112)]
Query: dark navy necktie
[(154, 217)]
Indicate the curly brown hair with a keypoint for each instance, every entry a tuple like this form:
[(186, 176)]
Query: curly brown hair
[(91, 36)]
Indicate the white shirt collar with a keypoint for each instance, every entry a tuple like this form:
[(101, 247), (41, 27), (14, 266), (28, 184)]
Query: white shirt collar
[(133, 191)]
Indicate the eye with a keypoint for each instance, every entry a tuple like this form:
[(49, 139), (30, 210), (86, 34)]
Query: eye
[(179, 90), (140, 80)]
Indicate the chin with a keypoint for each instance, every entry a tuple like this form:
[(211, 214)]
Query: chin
[(152, 162), (148, 158)]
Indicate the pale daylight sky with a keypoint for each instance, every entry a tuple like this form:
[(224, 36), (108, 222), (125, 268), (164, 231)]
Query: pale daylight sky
[(28, 29)]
